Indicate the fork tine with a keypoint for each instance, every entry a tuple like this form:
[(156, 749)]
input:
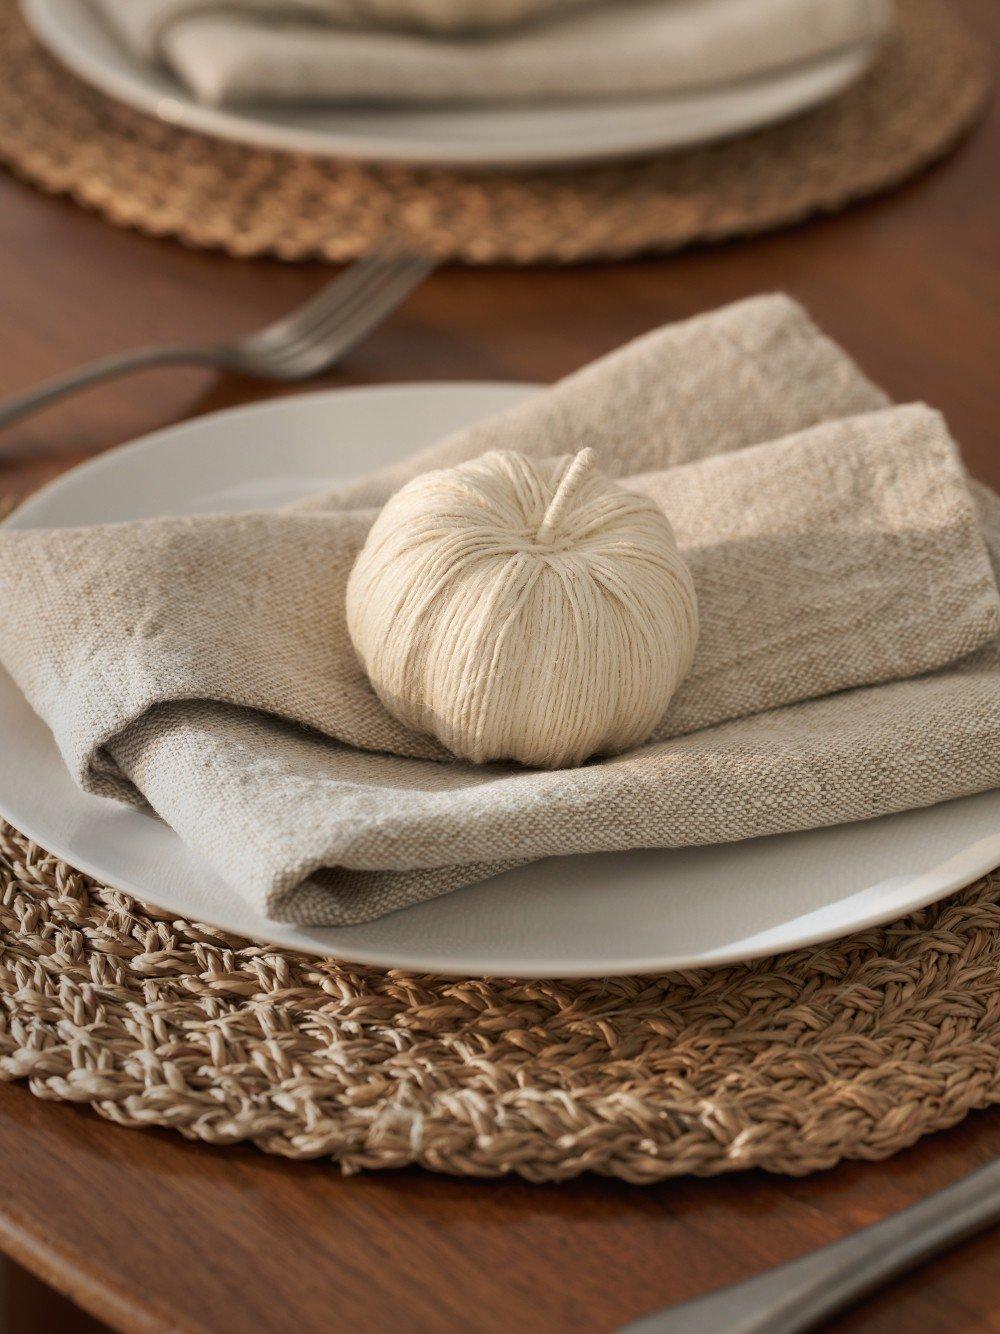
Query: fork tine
[(343, 327), (394, 291), (330, 297), (336, 312), (342, 294), (347, 323), (342, 311)]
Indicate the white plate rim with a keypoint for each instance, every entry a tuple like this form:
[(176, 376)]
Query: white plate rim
[(157, 439), (953, 873), (653, 128)]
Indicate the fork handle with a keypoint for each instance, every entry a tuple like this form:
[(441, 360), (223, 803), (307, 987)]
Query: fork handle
[(798, 1295), (94, 371)]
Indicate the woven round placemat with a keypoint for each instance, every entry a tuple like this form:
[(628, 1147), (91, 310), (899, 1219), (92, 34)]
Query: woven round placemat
[(852, 1049), (924, 90)]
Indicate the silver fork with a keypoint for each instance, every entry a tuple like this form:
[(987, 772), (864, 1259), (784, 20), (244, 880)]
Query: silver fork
[(301, 344)]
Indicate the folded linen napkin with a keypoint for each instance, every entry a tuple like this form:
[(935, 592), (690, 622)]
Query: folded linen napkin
[(307, 51), (145, 21), (186, 659)]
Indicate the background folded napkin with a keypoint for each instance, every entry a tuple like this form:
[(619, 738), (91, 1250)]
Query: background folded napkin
[(305, 52), (144, 21), (844, 555)]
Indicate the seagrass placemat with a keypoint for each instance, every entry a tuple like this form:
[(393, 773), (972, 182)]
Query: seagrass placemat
[(852, 1049), (924, 90)]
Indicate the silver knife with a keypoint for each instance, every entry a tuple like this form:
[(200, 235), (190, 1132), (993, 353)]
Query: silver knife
[(797, 1295)]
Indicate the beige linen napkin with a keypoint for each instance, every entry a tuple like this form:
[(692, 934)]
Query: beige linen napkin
[(144, 22), (233, 52), (843, 555)]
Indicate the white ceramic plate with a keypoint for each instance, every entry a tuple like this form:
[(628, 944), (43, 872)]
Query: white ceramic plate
[(567, 916), (564, 132)]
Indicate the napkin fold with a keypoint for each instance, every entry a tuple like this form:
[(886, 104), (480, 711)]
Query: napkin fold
[(233, 51), (204, 664)]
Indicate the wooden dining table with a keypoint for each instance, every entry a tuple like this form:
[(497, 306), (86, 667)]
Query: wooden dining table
[(143, 1231)]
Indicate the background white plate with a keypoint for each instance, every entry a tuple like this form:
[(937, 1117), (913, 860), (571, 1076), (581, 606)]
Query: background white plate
[(563, 132), (567, 916)]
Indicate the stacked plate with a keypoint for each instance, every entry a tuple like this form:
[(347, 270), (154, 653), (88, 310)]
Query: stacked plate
[(562, 125)]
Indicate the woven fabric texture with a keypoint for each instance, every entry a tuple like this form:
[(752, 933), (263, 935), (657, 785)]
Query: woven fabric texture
[(848, 1050), (926, 88)]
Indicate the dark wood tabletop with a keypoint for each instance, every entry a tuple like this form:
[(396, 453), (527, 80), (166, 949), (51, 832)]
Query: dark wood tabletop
[(148, 1232)]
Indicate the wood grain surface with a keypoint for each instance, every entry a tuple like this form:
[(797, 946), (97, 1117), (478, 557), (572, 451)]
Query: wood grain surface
[(148, 1232)]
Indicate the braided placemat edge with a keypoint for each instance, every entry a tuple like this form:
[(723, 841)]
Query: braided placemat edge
[(923, 95), (854, 1049)]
